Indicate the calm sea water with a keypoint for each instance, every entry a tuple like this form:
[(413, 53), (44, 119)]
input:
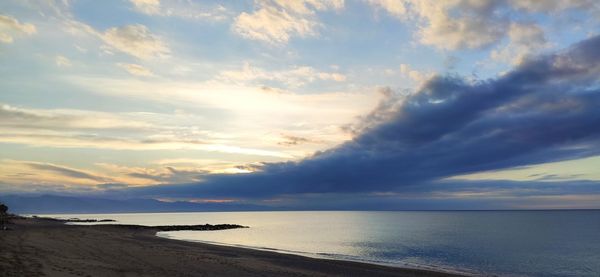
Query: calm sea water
[(506, 243)]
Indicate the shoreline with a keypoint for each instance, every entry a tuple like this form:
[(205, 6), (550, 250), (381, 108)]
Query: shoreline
[(338, 257), (42, 247)]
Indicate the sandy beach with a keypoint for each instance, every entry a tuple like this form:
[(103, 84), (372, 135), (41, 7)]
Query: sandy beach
[(40, 247)]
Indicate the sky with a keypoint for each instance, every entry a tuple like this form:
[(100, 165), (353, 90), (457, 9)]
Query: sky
[(320, 104)]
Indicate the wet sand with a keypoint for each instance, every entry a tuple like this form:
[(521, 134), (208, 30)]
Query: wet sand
[(40, 247)]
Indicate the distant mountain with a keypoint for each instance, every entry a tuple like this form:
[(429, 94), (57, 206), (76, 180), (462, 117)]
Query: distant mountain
[(47, 204)]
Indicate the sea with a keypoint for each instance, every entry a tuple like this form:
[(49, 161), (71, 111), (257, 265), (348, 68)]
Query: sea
[(486, 243)]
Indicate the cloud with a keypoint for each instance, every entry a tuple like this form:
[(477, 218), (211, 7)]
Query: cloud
[(338, 77), (147, 6), (173, 176), (477, 24), (210, 166), (272, 25), (69, 172), (247, 109), (553, 6), (40, 176), (542, 111), (396, 8), (62, 61), (582, 169), (416, 76), (11, 27), (61, 120), (94, 141), (276, 21), (180, 8), (136, 40), (464, 24), (290, 140), (385, 110), (215, 118), (29, 175), (450, 24), (101, 130), (157, 175), (294, 77), (136, 69), (525, 40)]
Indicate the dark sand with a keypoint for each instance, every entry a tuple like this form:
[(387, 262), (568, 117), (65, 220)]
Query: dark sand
[(39, 247)]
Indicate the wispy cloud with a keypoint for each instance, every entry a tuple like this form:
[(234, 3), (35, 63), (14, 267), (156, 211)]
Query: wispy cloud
[(181, 9), (77, 128), (69, 172), (31, 175), (291, 78), (10, 27), (62, 61), (136, 69), (136, 40), (290, 140), (64, 119), (147, 6), (276, 21)]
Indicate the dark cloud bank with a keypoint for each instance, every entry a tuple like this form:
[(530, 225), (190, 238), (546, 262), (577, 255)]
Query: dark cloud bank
[(547, 109)]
